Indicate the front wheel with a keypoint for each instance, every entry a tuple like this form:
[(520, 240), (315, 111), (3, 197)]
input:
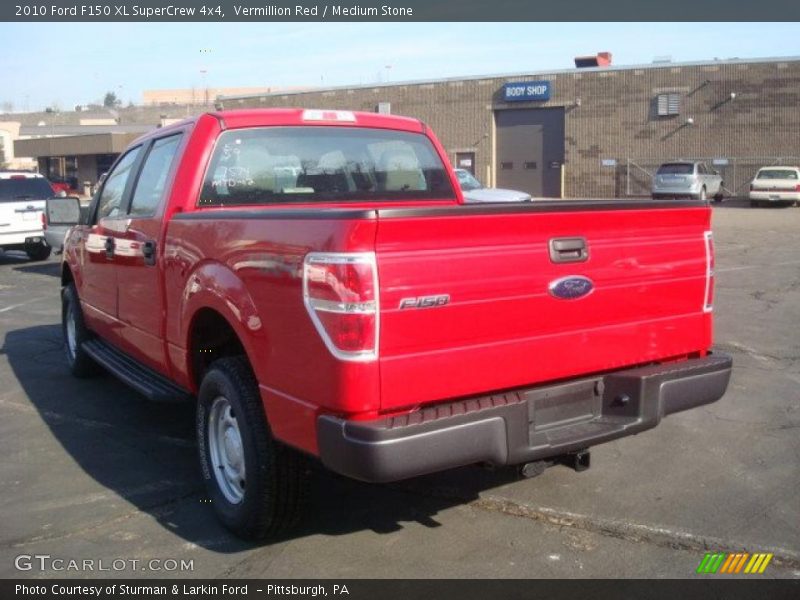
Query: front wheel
[(39, 252), (75, 333), (256, 485)]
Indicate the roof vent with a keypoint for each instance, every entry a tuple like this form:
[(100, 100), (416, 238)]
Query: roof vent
[(601, 59)]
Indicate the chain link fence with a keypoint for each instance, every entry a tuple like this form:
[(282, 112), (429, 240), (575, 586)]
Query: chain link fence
[(737, 173)]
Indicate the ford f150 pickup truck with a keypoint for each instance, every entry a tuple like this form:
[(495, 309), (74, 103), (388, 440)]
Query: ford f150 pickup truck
[(315, 283)]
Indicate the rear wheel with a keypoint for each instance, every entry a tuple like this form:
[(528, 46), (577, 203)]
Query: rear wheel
[(256, 485), (75, 333), (720, 195), (38, 252)]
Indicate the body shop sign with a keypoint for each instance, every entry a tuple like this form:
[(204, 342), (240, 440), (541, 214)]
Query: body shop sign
[(526, 91)]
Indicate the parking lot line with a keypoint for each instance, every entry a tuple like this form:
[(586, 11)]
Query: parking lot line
[(31, 301)]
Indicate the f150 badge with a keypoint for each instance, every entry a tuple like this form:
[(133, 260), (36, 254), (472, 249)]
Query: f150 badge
[(571, 288), (425, 301)]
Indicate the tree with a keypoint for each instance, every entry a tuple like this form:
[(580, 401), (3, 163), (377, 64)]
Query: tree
[(110, 100)]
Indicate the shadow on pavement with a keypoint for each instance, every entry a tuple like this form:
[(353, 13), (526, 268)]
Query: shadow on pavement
[(52, 268), (145, 454)]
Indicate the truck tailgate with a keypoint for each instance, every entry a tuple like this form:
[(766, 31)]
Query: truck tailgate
[(501, 326)]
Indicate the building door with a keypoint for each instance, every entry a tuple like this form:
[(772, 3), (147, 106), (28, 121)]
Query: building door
[(530, 150), (466, 161)]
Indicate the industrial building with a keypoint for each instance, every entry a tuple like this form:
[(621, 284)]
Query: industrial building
[(597, 130)]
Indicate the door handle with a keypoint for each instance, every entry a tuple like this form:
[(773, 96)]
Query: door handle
[(568, 250), (149, 252), (109, 247)]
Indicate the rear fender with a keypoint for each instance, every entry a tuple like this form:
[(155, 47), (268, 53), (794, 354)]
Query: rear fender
[(212, 285)]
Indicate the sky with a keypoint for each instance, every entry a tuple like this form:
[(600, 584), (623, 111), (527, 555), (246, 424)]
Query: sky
[(66, 64)]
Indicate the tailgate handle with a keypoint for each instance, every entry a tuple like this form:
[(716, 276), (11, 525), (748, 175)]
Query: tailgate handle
[(567, 250)]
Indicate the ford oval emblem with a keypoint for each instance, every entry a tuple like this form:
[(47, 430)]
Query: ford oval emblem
[(571, 288)]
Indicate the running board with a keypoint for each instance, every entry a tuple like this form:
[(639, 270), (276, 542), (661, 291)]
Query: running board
[(143, 379)]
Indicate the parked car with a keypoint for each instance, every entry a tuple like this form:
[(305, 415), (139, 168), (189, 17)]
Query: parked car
[(474, 191), (68, 185), (687, 179), (775, 185), (22, 202), (363, 315)]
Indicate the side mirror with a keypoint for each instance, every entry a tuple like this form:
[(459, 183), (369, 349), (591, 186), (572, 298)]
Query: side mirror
[(64, 210)]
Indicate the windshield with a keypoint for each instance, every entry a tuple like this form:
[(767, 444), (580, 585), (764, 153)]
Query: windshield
[(676, 169), (777, 174), (332, 164), (24, 188), (467, 181)]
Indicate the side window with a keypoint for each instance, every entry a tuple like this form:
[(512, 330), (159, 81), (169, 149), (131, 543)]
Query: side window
[(153, 178), (114, 187)]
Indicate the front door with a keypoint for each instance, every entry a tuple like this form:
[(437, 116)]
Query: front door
[(98, 286)]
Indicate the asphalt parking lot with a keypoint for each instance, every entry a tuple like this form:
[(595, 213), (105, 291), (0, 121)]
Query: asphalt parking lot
[(91, 470)]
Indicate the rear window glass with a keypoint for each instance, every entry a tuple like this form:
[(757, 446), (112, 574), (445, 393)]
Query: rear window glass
[(326, 164), (24, 188), (676, 169), (777, 174)]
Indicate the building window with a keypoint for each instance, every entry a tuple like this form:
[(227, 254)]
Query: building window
[(669, 104)]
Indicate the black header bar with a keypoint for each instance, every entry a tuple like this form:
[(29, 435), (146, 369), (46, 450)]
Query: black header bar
[(396, 10)]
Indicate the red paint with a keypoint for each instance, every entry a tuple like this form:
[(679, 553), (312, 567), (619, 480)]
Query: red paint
[(501, 328)]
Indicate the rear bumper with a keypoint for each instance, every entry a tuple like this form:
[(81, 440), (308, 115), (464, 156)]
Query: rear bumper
[(18, 239), (520, 426), (772, 196)]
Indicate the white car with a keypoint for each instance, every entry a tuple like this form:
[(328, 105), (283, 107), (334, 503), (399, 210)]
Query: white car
[(775, 185), (474, 192), (22, 201)]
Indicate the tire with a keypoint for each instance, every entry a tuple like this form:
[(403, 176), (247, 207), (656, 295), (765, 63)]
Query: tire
[(75, 333), (257, 485), (40, 252), (720, 195)]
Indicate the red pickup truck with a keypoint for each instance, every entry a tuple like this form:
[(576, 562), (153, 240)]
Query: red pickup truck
[(314, 280)]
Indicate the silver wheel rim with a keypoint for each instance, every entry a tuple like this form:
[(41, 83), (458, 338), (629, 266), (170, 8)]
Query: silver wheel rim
[(72, 343), (226, 450)]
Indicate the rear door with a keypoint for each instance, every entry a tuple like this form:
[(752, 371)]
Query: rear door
[(470, 300), (139, 283)]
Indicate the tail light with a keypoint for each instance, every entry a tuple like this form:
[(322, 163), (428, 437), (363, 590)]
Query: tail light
[(340, 291), (44, 222), (797, 188), (708, 302)]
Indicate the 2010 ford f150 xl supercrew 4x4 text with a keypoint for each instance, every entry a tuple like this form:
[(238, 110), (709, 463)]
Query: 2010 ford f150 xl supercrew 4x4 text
[(315, 281)]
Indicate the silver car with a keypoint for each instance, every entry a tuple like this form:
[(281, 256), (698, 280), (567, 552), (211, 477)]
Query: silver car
[(687, 179), (474, 192)]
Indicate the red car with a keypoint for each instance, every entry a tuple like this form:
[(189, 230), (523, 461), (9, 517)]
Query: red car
[(315, 282)]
